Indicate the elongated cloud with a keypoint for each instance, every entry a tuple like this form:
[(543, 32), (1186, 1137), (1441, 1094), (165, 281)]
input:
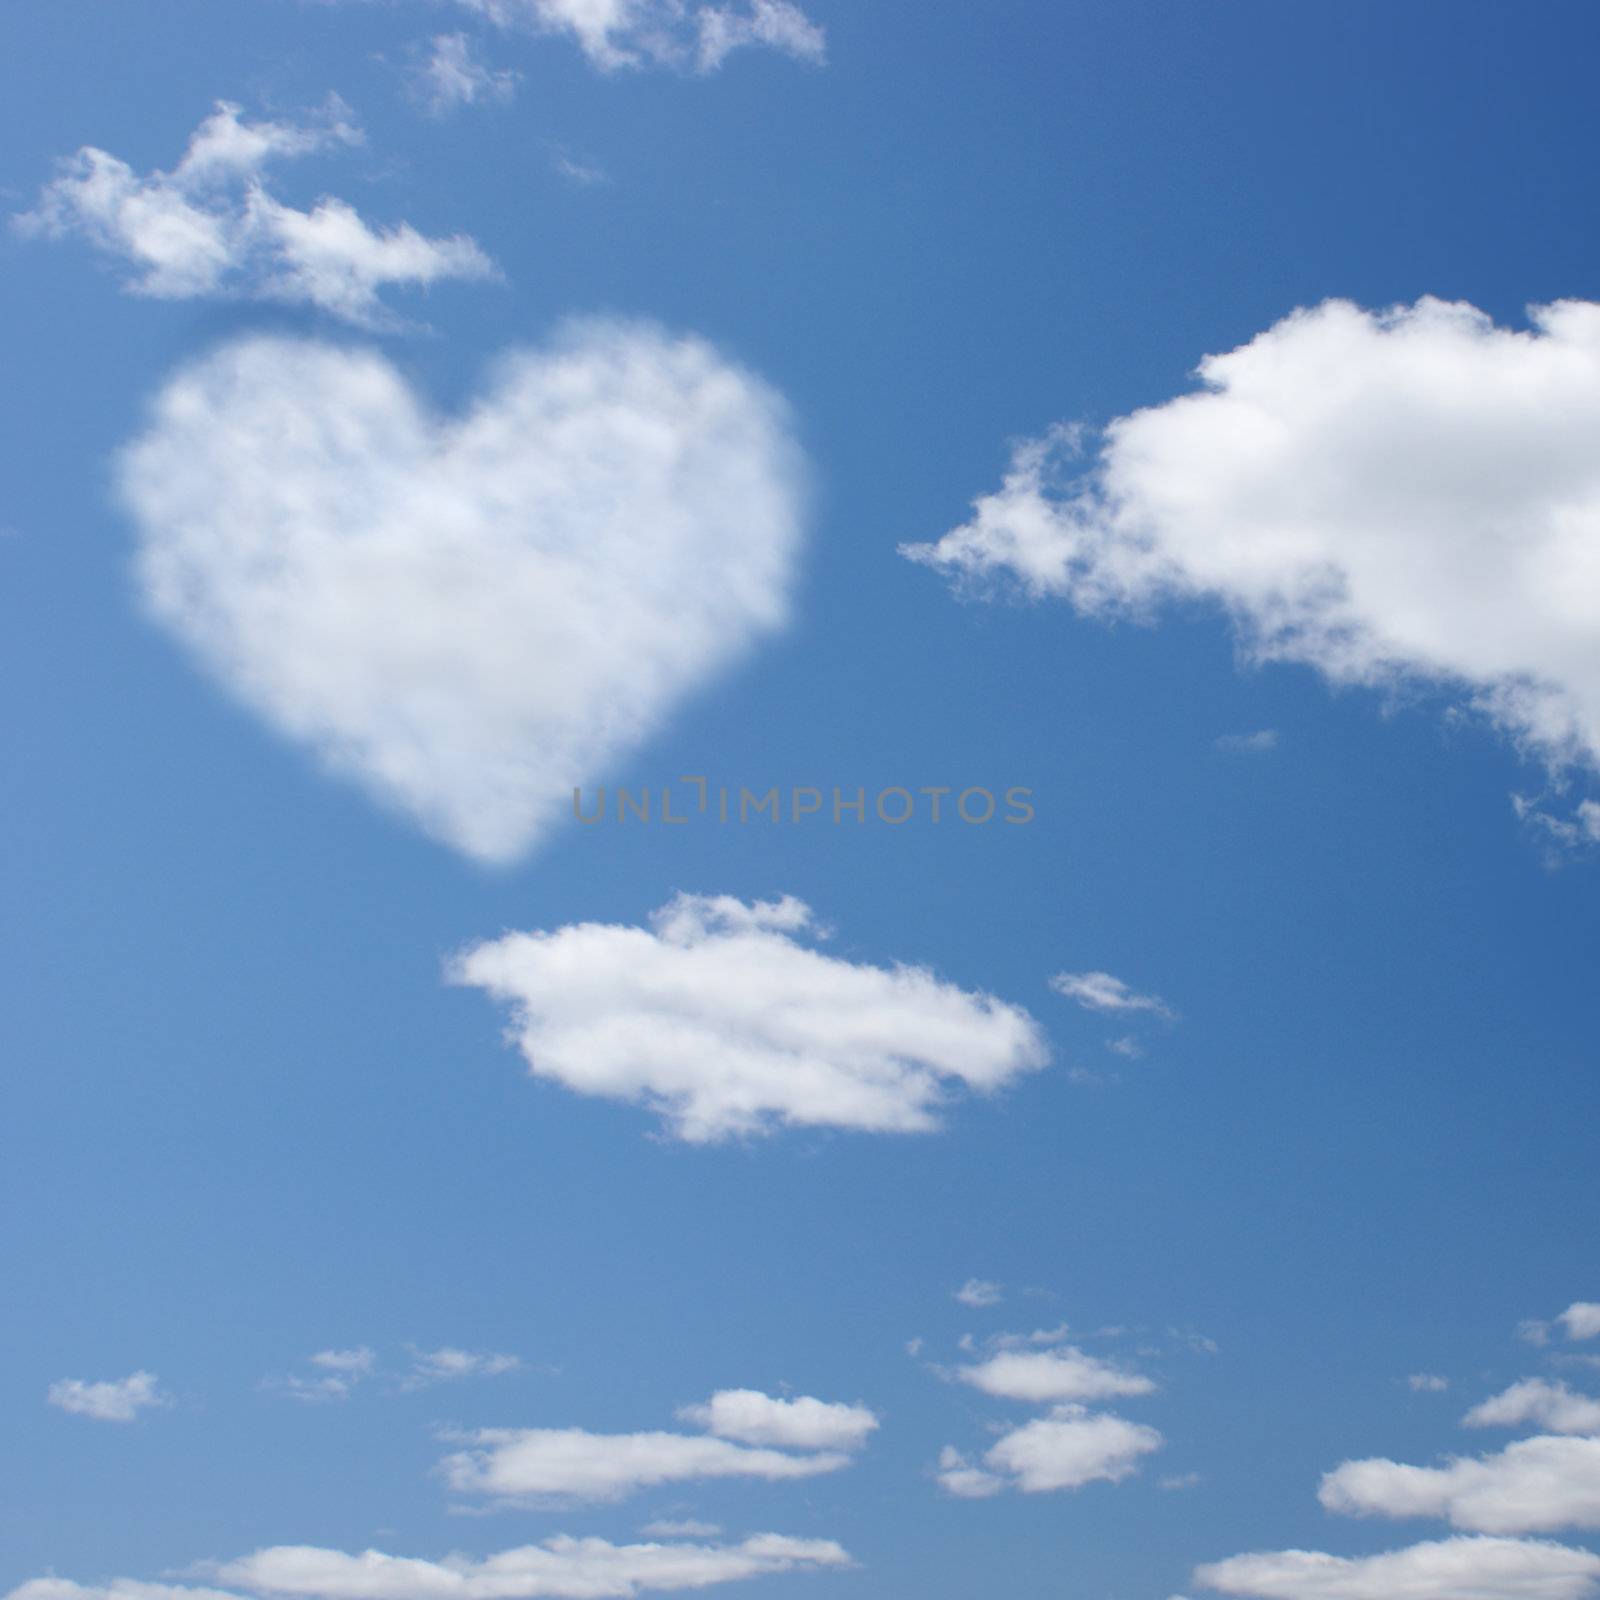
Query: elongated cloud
[(113, 1400), (1550, 1405), (1066, 1449), (209, 226), (1066, 1373), (804, 1423), (721, 1018), (1448, 1569), (470, 617), (1100, 991), (559, 1569), (519, 1464), (1404, 497), (618, 34), (1536, 1485)]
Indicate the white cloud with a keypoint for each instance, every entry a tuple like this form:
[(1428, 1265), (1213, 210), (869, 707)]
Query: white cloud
[(448, 1364), (1099, 991), (978, 1293), (804, 1423), (209, 226), (1581, 1320), (1066, 1449), (340, 1371), (469, 616), (1550, 1405), (1532, 1486), (1427, 1383), (454, 75), (558, 1569), (720, 1018), (1403, 498), (1249, 744), (115, 1400), (1448, 1569), (1043, 1375), (571, 1464), (666, 1528), (616, 34)]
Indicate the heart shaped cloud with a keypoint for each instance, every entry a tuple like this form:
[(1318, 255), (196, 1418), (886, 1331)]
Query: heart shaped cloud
[(470, 616)]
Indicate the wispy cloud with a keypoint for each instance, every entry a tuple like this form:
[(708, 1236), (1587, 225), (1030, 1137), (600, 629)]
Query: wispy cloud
[(112, 1400)]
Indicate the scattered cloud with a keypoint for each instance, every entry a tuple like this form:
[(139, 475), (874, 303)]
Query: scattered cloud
[(470, 617), (750, 1417), (1532, 1486), (622, 34), (1581, 1320), (1427, 1383), (722, 1019), (1460, 1569), (665, 1528), (540, 1465), (1066, 1449), (1536, 1400), (455, 75), (1180, 1481), (114, 1400), (1249, 744), (209, 227), (1398, 499), (448, 1365), (562, 1568), (338, 1374), (979, 1293), (1066, 1373), (1099, 991), (1127, 1046)]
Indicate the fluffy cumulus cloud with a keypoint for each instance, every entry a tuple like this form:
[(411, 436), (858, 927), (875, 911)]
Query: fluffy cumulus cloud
[(723, 1018), (559, 1569), (1100, 991), (1065, 1373), (1537, 1400), (1581, 1320), (1410, 497), (112, 1400), (210, 227), (1535, 1485), (750, 1417), (1069, 1447), (469, 616), (1446, 1569), (616, 34)]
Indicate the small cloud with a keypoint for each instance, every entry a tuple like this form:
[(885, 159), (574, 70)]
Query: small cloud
[(978, 1293), (579, 170), (1581, 1320), (689, 1529), (1126, 1046), (1531, 1331), (1249, 744), (1182, 1480), (454, 75), (1100, 991), (447, 1365), (341, 1371), (115, 1400), (1427, 1383), (1573, 835)]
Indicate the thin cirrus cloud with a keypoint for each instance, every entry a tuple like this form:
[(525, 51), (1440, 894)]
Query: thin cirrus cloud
[(469, 617), (454, 74), (723, 1019), (1100, 991), (110, 1400), (510, 1466), (561, 1568), (209, 227), (617, 35), (1401, 498), (450, 1365)]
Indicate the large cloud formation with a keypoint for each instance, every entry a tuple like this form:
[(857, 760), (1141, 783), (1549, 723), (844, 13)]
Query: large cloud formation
[(721, 1019), (210, 227), (471, 617), (562, 1568), (1404, 497)]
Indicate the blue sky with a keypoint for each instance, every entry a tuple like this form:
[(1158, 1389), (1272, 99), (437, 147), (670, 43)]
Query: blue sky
[(835, 280)]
